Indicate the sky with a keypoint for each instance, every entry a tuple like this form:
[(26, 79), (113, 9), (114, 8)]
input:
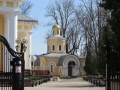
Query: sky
[(38, 12), (38, 36)]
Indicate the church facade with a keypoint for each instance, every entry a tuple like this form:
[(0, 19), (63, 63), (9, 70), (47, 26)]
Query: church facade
[(13, 26), (57, 61)]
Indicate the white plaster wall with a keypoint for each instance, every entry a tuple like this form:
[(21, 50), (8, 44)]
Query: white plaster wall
[(76, 71)]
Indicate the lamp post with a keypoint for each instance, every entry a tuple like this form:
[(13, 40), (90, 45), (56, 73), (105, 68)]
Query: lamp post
[(19, 77), (21, 45)]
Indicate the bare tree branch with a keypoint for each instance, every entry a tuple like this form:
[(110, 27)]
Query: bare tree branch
[(25, 7)]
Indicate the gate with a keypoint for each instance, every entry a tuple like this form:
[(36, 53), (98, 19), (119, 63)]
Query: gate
[(11, 67), (113, 70)]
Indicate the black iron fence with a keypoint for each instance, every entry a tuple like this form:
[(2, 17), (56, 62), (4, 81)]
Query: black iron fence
[(6, 74), (115, 81), (11, 67)]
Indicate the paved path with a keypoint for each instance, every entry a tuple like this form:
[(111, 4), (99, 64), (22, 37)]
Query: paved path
[(66, 84)]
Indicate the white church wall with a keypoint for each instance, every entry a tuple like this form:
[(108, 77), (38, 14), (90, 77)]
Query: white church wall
[(75, 69)]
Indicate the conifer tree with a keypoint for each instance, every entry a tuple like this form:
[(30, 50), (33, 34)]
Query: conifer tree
[(88, 63), (114, 21)]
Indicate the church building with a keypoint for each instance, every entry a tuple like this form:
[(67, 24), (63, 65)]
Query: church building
[(57, 61)]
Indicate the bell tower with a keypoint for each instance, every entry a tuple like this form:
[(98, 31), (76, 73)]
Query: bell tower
[(56, 43)]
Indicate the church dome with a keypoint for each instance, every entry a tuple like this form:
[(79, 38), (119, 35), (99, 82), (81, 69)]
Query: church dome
[(56, 26)]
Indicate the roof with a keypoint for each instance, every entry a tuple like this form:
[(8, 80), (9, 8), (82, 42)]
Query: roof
[(56, 26), (61, 60), (23, 17), (82, 57), (56, 37), (36, 60), (55, 54)]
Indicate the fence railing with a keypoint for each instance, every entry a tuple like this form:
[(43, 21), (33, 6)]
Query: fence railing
[(115, 81)]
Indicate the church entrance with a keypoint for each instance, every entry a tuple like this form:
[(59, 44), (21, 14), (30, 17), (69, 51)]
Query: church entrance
[(71, 65)]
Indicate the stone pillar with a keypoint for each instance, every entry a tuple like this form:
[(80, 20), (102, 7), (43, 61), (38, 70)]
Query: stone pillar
[(4, 3), (6, 26), (6, 35), (13, 29), (65, 70), (76, 71), (29, 48), (28, 51)]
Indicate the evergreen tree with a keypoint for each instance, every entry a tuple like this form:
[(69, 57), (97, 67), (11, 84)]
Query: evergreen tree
[(114, 40), (102, 50), (88, 63)]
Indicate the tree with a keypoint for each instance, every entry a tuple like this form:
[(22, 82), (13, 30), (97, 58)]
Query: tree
[(62, 12), (102, 50), (25, 7), (90, 64), (91, 19), (114, 21)]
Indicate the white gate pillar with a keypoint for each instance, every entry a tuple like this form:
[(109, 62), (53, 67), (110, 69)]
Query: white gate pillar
[(6, 26), (6, 35), (13, 29)]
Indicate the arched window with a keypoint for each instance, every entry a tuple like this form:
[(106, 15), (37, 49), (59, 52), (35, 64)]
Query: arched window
[(57, 31), (53, 47), (51, 68), (60, 48)]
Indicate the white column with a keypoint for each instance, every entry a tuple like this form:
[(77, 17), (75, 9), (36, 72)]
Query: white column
[(4, 3), (76, 71), (28, 51), (6, 26), (66, 71), (13, 29), (29, 45), (6, 35)]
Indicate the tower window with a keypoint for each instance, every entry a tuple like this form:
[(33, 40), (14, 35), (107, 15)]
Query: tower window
[(59, 47), (53, 47), (57, 31)]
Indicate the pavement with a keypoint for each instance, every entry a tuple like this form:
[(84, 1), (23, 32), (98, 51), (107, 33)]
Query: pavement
[(66, 84)]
